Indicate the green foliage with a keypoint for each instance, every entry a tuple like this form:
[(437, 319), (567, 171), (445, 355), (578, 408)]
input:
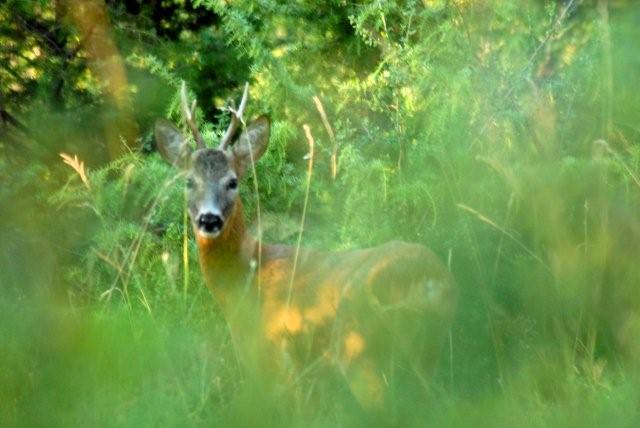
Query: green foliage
[(501, 134)]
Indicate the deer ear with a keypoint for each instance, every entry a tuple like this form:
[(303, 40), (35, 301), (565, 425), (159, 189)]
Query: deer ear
[(171, 143), (252, 142)]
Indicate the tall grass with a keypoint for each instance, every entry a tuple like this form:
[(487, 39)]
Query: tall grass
[(511, 150)]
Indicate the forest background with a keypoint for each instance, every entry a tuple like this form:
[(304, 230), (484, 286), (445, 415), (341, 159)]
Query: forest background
[(502, 134)]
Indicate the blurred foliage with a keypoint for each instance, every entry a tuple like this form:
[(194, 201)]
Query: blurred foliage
[(504, 135)]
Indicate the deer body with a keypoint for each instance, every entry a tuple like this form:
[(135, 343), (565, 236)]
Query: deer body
[(371, 315)]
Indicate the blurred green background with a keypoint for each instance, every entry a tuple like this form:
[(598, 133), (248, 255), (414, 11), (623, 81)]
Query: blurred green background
[(502, 134)]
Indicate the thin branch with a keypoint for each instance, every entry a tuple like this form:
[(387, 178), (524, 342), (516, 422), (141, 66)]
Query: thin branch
[(533, 56), (6, 117)]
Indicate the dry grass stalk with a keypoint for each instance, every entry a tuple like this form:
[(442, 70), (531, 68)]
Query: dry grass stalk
[(309, 157), (332, 137), (508, 234), (78, 167)]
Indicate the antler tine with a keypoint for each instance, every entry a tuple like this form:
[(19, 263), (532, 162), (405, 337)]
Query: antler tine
[(236, 119), (189, 116)]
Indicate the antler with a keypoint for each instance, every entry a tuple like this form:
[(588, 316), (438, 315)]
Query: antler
[(189, 115), (236, 119)]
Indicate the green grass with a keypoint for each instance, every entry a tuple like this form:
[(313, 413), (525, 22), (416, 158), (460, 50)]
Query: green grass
[(462, 127), (125, 368)]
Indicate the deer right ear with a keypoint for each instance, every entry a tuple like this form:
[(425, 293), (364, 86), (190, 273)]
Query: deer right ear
[(252, 142), (171, 143)]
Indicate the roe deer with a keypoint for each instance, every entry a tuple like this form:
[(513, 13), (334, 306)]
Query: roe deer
[(370, 315)]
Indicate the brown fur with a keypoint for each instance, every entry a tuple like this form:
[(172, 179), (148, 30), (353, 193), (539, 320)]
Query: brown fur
[(376, 316), (343, 308)]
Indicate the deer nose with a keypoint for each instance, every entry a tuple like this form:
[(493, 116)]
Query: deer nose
[(210, 222)]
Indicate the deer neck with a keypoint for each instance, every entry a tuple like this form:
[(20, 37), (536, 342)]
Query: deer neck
[(226, 260)]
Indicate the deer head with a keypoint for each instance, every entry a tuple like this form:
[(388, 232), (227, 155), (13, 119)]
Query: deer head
[(212, 174)]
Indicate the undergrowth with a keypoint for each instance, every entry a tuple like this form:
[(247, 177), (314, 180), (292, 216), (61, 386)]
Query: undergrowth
[(503, 136)]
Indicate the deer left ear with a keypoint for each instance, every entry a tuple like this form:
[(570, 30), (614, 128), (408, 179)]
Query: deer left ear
[(171, 144), (252, 142)]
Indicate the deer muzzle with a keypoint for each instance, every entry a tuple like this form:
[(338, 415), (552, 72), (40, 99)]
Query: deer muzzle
[(210, 224)]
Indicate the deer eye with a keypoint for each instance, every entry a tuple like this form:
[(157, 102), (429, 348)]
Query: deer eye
[(233, 184)]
